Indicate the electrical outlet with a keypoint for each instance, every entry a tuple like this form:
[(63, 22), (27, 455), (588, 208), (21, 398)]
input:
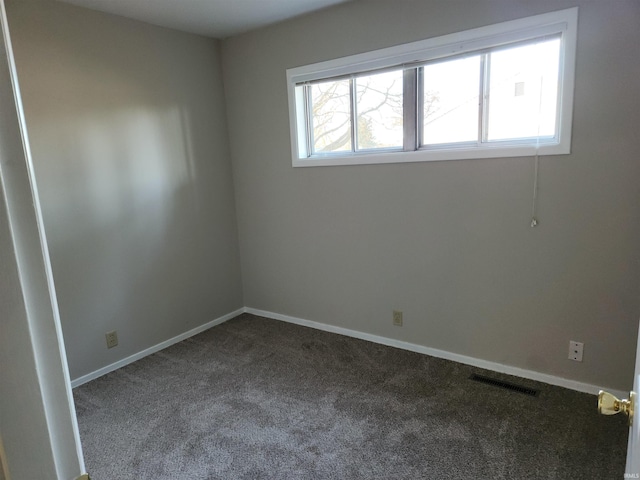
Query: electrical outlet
[(575, 351), (112, 339), (397, 318)]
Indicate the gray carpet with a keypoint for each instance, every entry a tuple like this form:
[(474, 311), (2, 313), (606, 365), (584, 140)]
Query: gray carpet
[(261, 399)]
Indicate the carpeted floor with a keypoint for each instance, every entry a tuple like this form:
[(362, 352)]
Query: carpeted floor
[(260, 399)]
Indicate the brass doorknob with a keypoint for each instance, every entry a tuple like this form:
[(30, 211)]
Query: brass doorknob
[(610, 405)]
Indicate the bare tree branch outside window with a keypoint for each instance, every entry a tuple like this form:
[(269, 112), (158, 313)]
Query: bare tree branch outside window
[(379, 107)]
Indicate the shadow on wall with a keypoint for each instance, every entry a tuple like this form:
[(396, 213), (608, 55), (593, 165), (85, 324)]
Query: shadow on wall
[(122, 211)]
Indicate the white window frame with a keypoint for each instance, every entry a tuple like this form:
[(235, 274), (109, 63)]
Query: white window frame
[(563, 22)]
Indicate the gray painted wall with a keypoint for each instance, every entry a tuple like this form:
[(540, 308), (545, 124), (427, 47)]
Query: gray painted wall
[(130, 145), (449, 243)]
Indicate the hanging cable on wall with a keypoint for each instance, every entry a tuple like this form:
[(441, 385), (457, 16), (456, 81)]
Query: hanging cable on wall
[(534, 202), (534, 218)]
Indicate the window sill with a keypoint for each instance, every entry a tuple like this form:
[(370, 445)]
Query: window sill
[(431, 155)]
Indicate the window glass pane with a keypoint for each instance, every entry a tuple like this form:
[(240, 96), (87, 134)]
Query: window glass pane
[(451, 92), (331, 116), (379, 110), (523, 91)]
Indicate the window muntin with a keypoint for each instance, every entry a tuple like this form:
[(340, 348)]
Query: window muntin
[(550, 36), (504, 94), (361, 113)]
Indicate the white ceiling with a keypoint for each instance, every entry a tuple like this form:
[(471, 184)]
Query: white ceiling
[(213, 18)]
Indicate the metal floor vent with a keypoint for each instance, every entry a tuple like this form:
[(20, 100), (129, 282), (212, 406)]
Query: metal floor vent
[(509, 386)]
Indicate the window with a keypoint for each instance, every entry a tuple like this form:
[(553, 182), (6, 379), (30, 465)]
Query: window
[(498, 91)]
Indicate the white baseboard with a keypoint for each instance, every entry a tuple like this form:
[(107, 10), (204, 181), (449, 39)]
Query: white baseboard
[(156, 348), (455, 357), (475, 362)]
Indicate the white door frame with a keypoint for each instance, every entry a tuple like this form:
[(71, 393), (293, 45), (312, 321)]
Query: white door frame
[(632, 469), (38, 425)]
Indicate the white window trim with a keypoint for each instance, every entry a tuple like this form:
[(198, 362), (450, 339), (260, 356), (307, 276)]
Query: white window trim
[(562, 21)]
